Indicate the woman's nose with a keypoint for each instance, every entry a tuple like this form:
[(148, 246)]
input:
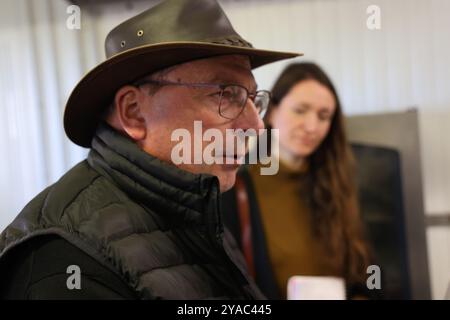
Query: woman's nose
[(310, 122)]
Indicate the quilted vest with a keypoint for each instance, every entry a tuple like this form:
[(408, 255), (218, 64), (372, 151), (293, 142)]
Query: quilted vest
[(157, 227)]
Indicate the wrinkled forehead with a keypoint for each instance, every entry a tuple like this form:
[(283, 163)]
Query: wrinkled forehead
[(230, 69)]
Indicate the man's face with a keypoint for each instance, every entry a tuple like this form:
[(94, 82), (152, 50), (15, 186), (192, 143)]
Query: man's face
[(173, 107)]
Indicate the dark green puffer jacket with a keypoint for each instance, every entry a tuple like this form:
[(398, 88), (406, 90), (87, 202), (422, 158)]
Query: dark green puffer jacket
[(157, 227)]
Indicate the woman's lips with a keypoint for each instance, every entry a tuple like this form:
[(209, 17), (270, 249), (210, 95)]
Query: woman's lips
[(306, 141)]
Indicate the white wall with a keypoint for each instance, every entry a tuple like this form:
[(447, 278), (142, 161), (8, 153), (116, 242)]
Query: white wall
[(40, 62), (405, 64)]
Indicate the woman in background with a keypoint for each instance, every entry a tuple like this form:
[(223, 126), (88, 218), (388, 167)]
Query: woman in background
[(304, 220)]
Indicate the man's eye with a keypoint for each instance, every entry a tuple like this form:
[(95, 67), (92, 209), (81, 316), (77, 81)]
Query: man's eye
[(216, 94), (228, 94)]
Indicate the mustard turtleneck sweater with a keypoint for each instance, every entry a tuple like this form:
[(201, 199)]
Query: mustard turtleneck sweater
[(293, 249)]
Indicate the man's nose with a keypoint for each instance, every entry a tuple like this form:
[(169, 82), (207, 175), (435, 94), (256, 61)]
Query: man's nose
[(250, 118)]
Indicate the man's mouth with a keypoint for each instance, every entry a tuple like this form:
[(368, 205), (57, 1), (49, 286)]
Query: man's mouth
[(232, 159)]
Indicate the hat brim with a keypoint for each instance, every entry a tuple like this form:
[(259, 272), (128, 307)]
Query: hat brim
[(96, 89)]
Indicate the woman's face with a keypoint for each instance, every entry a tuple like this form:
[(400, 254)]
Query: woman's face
[(303, 118)]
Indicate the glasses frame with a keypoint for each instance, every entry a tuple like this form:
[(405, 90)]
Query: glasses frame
[(221, 87)]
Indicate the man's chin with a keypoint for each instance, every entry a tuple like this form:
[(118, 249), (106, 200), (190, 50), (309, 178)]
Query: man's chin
[(227, 179), (226, 173)]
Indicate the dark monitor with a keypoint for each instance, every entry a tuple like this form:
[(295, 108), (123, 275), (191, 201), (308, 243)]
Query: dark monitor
[(381, 202)]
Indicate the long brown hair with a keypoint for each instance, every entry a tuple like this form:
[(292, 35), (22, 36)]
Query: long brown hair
[(333, 196)]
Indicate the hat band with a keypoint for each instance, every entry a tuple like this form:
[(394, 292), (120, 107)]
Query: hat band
[(232, 40)]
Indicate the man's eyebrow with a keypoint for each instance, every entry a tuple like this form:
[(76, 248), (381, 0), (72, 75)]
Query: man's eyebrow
[(229, 80)]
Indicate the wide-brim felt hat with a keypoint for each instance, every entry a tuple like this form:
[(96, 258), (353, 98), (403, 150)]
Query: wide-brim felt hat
[(170, 33)]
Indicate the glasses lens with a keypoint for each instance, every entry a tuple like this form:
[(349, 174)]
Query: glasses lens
[(232, 101), (262, 100)]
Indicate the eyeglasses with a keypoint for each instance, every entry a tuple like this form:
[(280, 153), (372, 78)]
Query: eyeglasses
[(232, 98)]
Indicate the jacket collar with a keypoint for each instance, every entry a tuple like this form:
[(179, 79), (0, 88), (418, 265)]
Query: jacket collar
[(179, 195)]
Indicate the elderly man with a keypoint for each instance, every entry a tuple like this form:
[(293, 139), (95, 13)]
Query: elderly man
[(127, 222)]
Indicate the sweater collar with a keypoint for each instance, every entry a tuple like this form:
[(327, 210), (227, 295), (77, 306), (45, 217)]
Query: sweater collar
[(179, 195)]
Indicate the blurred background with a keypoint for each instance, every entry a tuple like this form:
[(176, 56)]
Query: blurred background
[(393, 81)]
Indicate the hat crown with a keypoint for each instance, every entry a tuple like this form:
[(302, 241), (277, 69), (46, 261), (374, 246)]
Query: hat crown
[(175, 21), (170, 33)]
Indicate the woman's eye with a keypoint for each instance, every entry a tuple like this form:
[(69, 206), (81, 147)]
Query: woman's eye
[(299, 111), (325, 117)]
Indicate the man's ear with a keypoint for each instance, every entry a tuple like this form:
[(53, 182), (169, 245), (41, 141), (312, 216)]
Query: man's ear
[(128, 112)]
